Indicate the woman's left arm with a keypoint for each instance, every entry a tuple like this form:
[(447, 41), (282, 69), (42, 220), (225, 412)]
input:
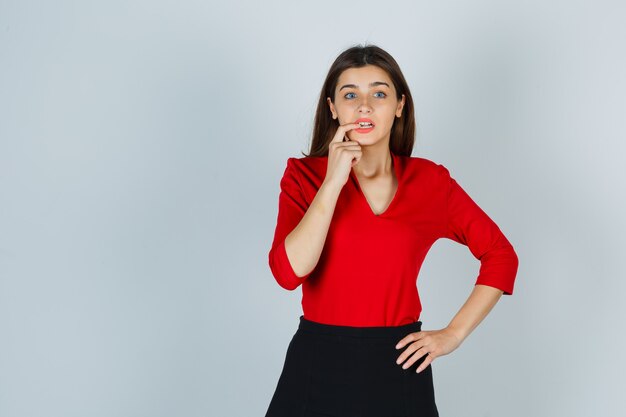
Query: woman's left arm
[(468, 224)]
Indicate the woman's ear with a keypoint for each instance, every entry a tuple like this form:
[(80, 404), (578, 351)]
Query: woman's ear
[(400, 107), (332, 107)]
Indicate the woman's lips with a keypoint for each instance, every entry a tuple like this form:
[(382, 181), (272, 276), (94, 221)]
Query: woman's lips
[(364, 129)]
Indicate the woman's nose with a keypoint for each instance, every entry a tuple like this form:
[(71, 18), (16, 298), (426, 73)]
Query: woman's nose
[(364, 107)]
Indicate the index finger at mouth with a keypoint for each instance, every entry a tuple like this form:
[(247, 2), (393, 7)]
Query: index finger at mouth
[(344, 128)]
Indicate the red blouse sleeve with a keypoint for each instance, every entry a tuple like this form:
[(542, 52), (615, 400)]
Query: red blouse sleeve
[(468, 224), (292, 206)]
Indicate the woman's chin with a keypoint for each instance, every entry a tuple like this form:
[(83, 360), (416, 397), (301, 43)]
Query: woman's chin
[(364, 139)]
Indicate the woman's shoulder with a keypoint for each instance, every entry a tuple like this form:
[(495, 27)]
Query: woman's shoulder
[(423, 165), (308, 160), (308, 163), (310, 169)]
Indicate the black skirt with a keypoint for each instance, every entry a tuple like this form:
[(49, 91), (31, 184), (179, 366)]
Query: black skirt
[(346, 371)]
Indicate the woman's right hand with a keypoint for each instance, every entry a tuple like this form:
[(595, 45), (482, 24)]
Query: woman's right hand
[(343, 154)]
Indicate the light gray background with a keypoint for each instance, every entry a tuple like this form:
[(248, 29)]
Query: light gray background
[(141, 148)]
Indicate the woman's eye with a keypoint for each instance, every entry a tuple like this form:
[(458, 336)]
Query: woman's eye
[(346, 96), (383, 94)]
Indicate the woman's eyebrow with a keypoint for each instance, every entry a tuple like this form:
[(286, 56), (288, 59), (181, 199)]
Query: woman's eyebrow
[(374, 84)]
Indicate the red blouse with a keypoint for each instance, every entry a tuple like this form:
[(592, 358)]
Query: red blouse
[(368, 268)]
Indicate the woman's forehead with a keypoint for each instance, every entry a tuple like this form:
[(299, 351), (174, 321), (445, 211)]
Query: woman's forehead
[(363, 80)]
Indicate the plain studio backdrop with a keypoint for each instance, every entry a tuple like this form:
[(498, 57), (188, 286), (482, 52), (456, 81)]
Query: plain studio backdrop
[(141, 148)]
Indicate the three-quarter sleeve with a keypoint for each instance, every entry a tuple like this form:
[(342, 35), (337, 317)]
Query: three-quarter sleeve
[(292, 206), (468, 224)]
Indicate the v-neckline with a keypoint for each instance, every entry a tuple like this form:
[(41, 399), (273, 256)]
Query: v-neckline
[(362, 196)]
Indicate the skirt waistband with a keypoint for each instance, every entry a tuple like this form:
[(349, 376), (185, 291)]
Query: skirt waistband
[(353, 331)]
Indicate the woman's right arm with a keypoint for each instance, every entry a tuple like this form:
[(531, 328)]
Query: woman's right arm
[(305, 243), (301, 231)]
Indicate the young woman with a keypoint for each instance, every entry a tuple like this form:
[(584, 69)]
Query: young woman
[(356, 218)]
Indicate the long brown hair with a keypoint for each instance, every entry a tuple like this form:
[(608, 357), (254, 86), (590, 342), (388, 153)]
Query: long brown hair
[(324, 126)]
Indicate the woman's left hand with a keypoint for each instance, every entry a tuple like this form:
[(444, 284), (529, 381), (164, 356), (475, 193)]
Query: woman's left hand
[(433, 343)]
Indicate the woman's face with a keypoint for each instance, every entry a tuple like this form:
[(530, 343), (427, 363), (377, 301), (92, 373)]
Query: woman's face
[(366, 93)]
